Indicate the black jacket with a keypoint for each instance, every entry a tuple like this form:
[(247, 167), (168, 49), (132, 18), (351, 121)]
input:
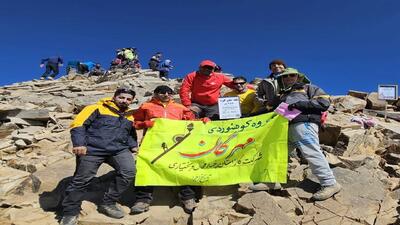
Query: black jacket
[(102, 130)]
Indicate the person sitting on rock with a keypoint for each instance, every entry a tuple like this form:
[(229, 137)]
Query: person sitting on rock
[(161, 106), (200, 90), (97, 70), (303, 130), (102, 133)]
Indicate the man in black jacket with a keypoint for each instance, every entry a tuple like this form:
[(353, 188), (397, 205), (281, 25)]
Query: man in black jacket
[(102, 133)]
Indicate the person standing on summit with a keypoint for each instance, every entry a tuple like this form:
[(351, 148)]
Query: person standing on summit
[(200, 90), (102, 133), (51, 67)]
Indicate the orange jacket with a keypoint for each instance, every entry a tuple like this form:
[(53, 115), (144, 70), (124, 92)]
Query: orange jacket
[(156, 109)]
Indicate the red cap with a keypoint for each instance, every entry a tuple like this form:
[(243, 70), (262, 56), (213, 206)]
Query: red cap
[(208, 63)]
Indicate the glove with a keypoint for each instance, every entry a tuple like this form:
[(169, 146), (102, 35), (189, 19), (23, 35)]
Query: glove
[(302, 105), (205, 120), (149, 123)]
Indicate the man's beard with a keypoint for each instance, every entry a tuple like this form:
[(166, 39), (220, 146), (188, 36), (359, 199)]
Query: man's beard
[(122, 106)]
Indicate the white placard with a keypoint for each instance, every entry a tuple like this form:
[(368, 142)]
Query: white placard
[(229, 107), (387, 92)]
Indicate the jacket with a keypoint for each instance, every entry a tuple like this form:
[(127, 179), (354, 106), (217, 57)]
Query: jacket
[(311, 101), (202, 89), (156, 109), (269, 90), (248, 102), (53, 60), (102, 130)]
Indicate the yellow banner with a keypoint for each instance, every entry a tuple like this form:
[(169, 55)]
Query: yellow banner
[(176, 152)]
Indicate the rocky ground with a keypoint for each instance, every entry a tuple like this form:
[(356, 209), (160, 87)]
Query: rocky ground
[(37, 164)]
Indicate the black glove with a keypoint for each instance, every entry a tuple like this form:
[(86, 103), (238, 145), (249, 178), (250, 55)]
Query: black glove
[(299, 105)]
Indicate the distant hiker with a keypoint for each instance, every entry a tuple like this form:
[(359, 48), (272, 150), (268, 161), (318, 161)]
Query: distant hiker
[(116, 64), (97, 70), (52, 65), (85, 67), (164, 69), (247, 97), (303, 130), (155, 61), (200, 90), (102, 133), (161, 106), (130, 54), (218, 69)]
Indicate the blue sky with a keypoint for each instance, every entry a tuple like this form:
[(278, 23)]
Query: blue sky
[(339, 44)]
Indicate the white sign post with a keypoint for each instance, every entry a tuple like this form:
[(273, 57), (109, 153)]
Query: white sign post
[(387, 92), (229, 107)]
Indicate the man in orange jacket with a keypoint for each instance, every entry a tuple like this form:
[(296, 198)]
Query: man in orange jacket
[(161, 106), (201, 89)]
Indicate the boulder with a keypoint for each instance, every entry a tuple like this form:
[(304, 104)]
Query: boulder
[(10, 179), (7, 129), (358, 94), (348, 104), (356, 142), (263, 208), (359, 201), (374, 103), (34, 114)]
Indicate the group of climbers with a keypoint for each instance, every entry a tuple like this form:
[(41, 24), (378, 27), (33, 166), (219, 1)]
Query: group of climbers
[(199, 95), (125, 58)]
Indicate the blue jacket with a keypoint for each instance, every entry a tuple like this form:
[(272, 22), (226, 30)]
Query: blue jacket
[(53, 60), (102, 130), (165, 66), (89, 64)]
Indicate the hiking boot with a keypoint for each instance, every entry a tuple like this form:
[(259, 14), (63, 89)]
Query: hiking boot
[(265, 187), (50, 78), (69, 220), (189, 205), (42, 78), (140, 207), (112, 211), (326, 192)]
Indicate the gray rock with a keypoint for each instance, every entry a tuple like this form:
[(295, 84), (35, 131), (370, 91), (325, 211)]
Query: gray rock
[(356, 142), (374, 103), (358, 94), (6, 129), (263, 208), (10, 179), (28, 139), (34, 114), (20, 143), (349, 104)]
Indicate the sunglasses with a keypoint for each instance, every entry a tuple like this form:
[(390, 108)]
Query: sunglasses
[(289, 75), (239, 83), (208, 67), (165, 92)]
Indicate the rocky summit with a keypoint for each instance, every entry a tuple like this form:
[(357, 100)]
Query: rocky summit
[(362, 147)]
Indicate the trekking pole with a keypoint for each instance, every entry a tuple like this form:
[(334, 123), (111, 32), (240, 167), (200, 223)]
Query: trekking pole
[(166, 150)]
